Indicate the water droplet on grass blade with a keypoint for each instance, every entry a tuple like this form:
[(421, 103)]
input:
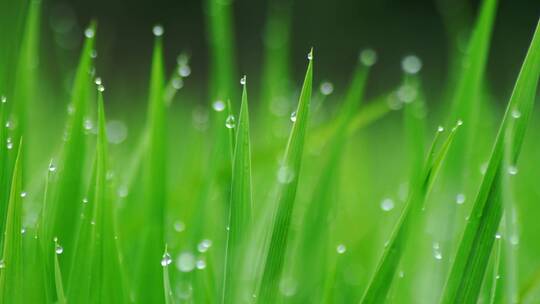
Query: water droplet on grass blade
[(368, 57), (230, 122), (157, 30), (285, 175), (24, 194), (411, 64), (460, 198), (98, 81), (293, 116), (101, 88), (23, 230), (166, 259), (201, 264), (327, 88), (179, 226), (516, 113), (177, 83), (498, 235), (218, 105), (185, 262), (440, 129), (341, 249), (85, 200), (310, 55), (243, 80), (204, 245), (387, 204), (89, 33), (184, 70), (2, 264), (3, 99), (58, 249), (512, 170)]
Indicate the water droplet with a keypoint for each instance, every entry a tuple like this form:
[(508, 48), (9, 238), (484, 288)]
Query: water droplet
[(437, 251), (230, 122), (310, 55), (411, 64), (185, 261), (512, 170), (166, 259), (101, 88), (9, 124), (204, 245), (24, 194), (498, 276), (89, 33), (387, 204), (243, 80), (368, 57), (98, 81), (201, 264), (179, 226), (23, 230), (3, 99), (9, 143), (440, 129), (52, 166), (498, 235), (158, 30), (285, 175), (407, 93), (218, 105), (85, 200), (122, 191), (184, 70), (341, 249), (459, 122), (93, 54), (327, 88), (514, 239), (182, 59), (401, 274), (293, 116), (460, 198), (516, 113), (2, 264), (58, 249), (177, 83), (88, 124), (117, 131)]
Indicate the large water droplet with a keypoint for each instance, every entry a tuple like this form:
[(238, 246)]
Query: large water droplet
[(185, 261), (117, 131), (327, 88), (285, 175), (411, 64), (341, 249), (387, 204), (166, 260), (218, 105), (230, 122), (158, 30), (368, 57)]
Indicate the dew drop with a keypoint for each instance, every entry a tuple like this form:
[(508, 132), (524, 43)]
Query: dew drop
[(3, 99), (166, 260), (401, 274), (440, 129), (243, 80), (368, 57), (117, 131), (516, 113), (52, 167), (2, 264), (88, 124), (177, 83), (310, 56), (285, 175), (23, 230), (179, 226), (387, 204), (101, 88), (407, 93), (498, 235), (98, 81), (184, 70), (85, 200), (200, 264), (512, 170), (9, 143), (293, 116), (411, 64), (218, 105), (327, 88), (437, 251), (230, 122), (89, 33), (514, 239), (157, 30), (93, 54), (185, 261), (204, 245), (459, 122), (341, 249), (24, 194), (58, 249), (460, 198)]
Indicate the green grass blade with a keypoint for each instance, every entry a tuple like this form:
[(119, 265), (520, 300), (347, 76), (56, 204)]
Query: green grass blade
[(288, 175), (465, 279), (11, 280), (165, 262), (240, 206), (150, 279), (61, 297), (380, 283)]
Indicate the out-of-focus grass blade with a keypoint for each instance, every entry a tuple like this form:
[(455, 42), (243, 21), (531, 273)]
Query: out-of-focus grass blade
[(240, 207), (150, 278), (287, 175), (380, 283), (61, 298), (11, 278), (465, 279), (63, 212)]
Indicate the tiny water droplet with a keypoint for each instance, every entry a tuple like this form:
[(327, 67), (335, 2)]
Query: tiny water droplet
[(387, 204), (23, 230), (93, 54), (341, 249), (201, 264), (512, 170), (2, 264), (293, 116), (368, 57), (230, 122), (243, 80), (98, 81), (101, 88), (88, 124), (24, 194), (179, 226), (498, 235), (440, 129), (285, 175), (401, 274), (85, 200), (459, 122), (185, 261), (327, 88), (177, 83), (157, 30), (514, 239), (437, 251), (310, 56), (3, 99), (497, 277), (58, 249), (204, 245), (407, 93), (516, 113), (460, 198), (89, 33), (9, 143), (218, 105), (184, 70), (52, 167), (166, 260), (411, 64)]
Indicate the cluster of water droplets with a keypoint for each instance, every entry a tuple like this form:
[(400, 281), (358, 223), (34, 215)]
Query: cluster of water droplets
[(166, 260), (437, 254)]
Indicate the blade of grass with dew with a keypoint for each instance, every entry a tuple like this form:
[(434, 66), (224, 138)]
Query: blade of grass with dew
[(288, 176), (62, 213), (321, 209), (5, 167), (464, 281), (165, 262), (149, 284), (240, 205), (379, 285), (60, 295), (11, 279)]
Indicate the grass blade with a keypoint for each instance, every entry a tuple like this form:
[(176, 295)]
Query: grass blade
[(465, 279), (240, 207), (61, 298), (288, 175)]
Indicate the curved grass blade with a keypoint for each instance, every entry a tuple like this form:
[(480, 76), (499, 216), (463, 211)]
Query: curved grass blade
[(288, 175), (380, 283), (465, 279), (240, 206), (11, 274)]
